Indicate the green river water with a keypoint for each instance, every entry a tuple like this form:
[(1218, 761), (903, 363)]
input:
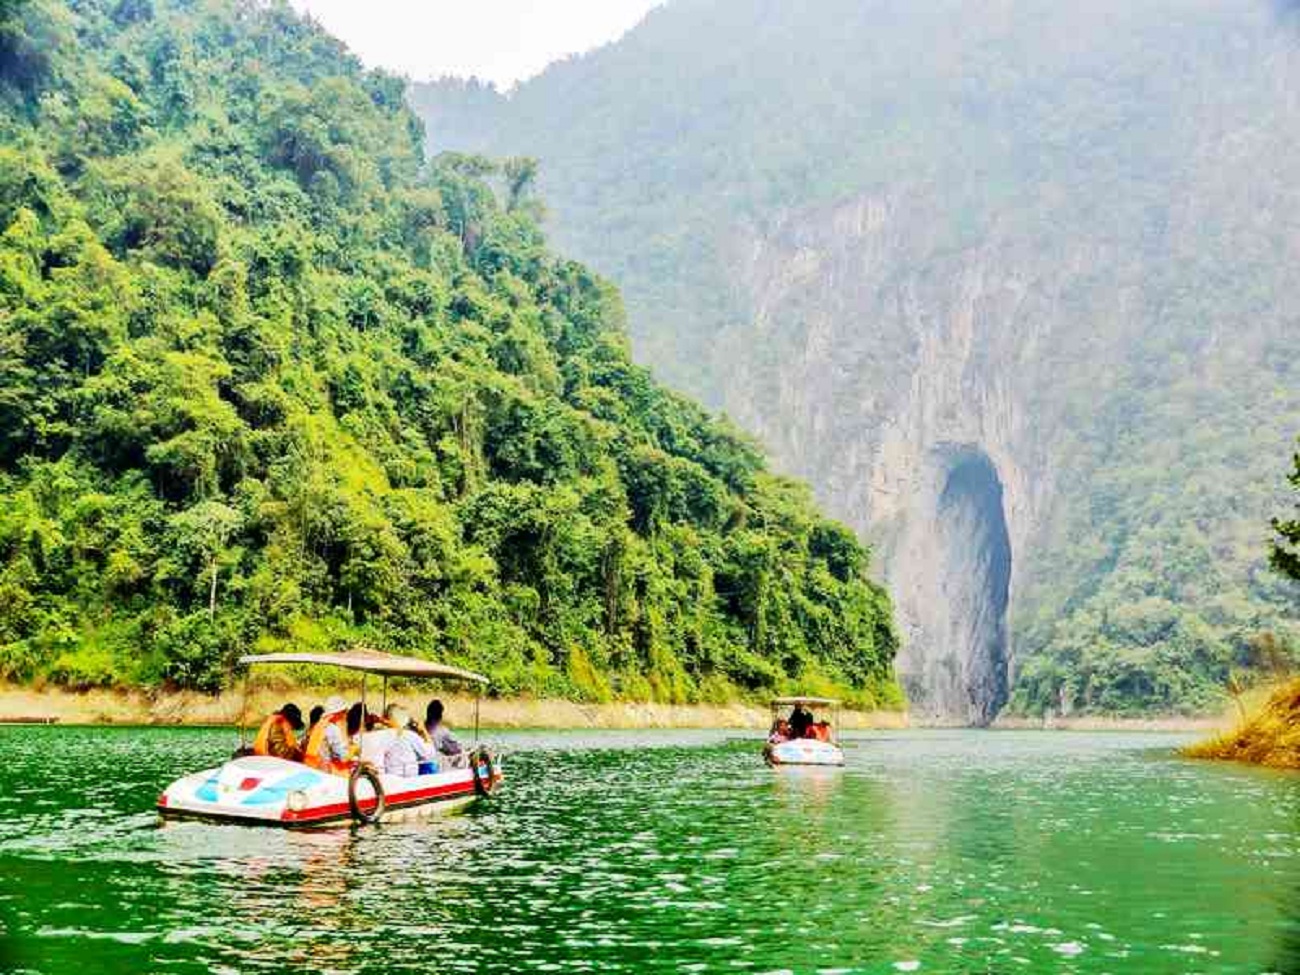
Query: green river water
[(669, 851)]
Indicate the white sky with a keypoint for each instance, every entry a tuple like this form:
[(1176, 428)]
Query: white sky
[(500, 40)]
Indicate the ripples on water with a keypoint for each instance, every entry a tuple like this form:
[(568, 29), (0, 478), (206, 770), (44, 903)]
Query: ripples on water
[(672, 851)]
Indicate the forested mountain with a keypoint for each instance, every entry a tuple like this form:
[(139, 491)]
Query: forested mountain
[(1009, 281), (269, 379)]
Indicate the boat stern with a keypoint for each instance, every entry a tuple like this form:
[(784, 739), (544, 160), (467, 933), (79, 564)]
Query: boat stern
[(803, 751)]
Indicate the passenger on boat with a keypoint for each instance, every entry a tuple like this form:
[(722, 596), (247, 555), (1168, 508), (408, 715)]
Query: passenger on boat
[(329, 747), (312, 720), (441, 737), (800, 722), (409, 754), (278, 735)]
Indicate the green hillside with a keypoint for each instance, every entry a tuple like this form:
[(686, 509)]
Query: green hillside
[(1059, 235), (270, 379)]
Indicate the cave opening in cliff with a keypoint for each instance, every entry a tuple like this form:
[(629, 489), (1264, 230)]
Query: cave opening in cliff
[(975, 581)]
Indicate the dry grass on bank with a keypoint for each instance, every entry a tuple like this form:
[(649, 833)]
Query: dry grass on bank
[(1270, 735), (187, 708)]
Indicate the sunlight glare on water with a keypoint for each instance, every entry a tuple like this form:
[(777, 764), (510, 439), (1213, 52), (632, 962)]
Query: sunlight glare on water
[(669, 851)]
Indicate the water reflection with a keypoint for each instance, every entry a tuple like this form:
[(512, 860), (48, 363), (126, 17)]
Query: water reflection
[(669, 852)]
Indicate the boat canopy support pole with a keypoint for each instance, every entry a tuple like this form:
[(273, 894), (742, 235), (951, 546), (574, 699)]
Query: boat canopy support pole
[(243, 707), (478, 696)]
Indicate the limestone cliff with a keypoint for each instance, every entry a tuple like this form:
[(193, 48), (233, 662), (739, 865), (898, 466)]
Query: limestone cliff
[(1010, 283), (964, 411)]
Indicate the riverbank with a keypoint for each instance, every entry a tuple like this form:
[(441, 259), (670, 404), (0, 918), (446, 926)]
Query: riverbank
[(188, 708), (1269, 735), (1205, 724), (57, 705)]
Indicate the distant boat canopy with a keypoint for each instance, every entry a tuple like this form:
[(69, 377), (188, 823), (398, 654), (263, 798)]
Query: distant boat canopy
[(817, 702), (371, 662)]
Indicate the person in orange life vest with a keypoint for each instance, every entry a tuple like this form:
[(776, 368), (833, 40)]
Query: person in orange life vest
[(329, 746), (313, 719), (377, 722), (278, 735)]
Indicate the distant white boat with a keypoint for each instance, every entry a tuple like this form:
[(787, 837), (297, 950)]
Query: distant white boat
[(815, 744), (262, 790)]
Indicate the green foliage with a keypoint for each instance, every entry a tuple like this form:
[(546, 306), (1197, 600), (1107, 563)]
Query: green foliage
[(270, 380), (1284, 552)]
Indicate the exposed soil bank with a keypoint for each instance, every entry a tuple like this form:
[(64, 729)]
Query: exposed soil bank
[(1269, 736), (187, 708)]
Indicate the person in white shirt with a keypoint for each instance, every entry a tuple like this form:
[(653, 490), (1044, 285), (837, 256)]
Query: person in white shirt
[(409, 754)]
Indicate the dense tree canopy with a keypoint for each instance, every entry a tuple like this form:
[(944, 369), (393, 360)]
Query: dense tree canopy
[(268, 378)]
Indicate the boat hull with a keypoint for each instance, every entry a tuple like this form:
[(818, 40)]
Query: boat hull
[(803, 751), (265, 791)]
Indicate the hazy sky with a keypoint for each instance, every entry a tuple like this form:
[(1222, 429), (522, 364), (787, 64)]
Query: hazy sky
[(502, 40)]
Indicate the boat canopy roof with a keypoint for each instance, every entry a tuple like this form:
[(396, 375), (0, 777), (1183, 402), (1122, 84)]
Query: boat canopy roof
[(821, 702), (371, 662)]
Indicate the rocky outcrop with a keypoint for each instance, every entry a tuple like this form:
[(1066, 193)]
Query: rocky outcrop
[(958, 406), (910, 402)]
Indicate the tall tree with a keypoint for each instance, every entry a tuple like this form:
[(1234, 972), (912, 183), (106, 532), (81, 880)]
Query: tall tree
[(207, 528)]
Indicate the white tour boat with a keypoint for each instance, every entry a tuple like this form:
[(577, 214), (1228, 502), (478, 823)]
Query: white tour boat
[(261, 790), (815, 745)]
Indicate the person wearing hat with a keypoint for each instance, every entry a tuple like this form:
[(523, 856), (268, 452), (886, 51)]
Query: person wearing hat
[(278, 735), (409, 754), (327, 746)]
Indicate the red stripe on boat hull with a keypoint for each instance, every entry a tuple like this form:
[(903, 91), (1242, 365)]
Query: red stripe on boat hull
[(334, 813)]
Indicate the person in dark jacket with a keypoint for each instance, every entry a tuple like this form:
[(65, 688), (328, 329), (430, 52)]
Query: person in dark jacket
[(800, 722)]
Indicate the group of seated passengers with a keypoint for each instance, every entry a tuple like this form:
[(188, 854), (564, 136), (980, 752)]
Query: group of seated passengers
[(330, 741), (801, 724)]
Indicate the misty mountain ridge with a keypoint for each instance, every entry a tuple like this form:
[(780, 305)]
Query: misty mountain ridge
[(895, 241)]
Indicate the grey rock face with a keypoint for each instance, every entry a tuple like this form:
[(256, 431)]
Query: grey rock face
[(1009, 283), (915, 430), (973, 572), (938, 402)]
